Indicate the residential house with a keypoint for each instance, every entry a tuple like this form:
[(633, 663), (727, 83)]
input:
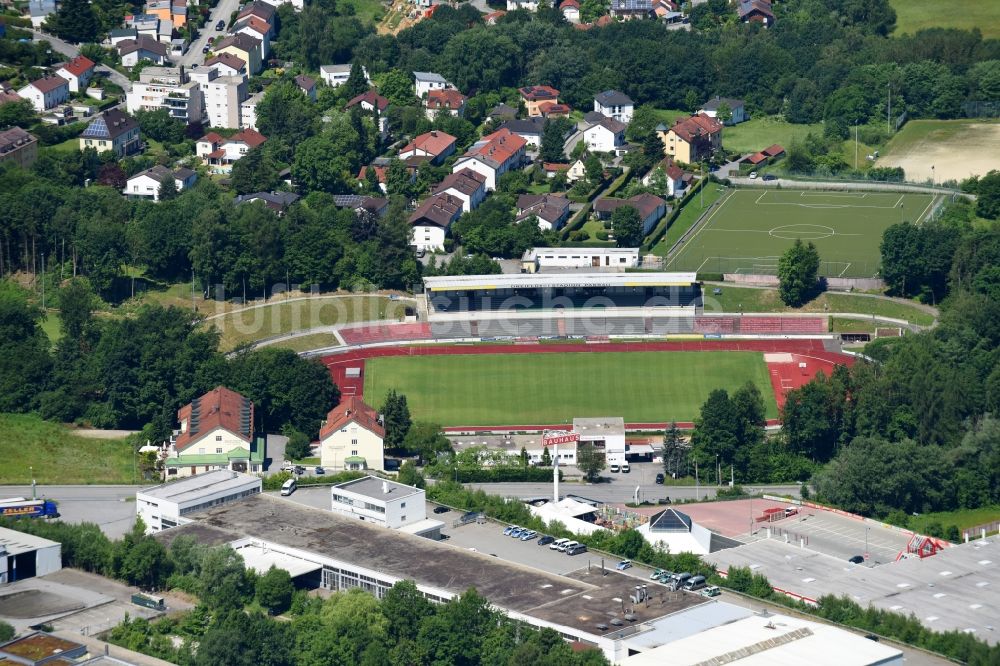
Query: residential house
[(147, 184), (467, 185), (46, 93), (766, 156), (605, 136), (672, 174), (169, 11), (40, 11), (297, 5), (632, 9), (248, 111), (151, 26), (502, 113), (494, 155), (570, 10), (529, 5), (534, 95), (78, 73), (262, 10), (493, 17), (691, 139), (756, 11), (381, 175), (122, 34), (436, 145), (351, 437), (219, 153), (112, 131), (362, 205), (614, 104), (244, 47), (530, 130), (424, 82), (337, 75), (576, 171), (550, 109), (651, 208), (131, 51), (216, 432), (737, 109), (372, 102), (279, 202), (227, 64), (432, 220), (254, 27), (550, 211), (553, 169), (447, 101), (18, 147), (307, 85), (223, 96), (8, 95), (167, 88)]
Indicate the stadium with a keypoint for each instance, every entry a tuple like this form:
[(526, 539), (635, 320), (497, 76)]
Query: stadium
[(533, 351)]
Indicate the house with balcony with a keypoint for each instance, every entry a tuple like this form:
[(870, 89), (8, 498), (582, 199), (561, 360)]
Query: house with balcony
[(434, 145), (691, 139), (432, 220), (444, 102), (614, 104), (534, 96), (351, 437), (494, 155), (223, 96), (219, 154), (148, 184), (246, 48), (167, 88), (216, 432), (112, 131), (467, 185)]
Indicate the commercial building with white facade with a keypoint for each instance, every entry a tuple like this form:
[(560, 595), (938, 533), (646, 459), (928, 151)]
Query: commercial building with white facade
[(606, 434), (561, 258), (26, 556), (165, 506), (385, 503)]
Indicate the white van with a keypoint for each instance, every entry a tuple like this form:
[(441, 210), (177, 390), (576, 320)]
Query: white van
[(288, 487), (625, 468), (566, 546), (559, 544)]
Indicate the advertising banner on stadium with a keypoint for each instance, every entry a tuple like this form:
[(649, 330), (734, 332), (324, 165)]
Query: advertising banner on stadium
[(559, 437)]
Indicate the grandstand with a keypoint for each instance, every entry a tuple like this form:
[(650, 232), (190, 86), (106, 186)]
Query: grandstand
[(374, 333), (553, 291)]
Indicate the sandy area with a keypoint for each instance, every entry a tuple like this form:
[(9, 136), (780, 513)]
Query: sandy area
[(971, 152)]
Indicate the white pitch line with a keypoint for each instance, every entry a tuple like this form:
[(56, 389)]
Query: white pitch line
[(760, 197), (931, 203), (896, 205), (845, 269), (705, 224)]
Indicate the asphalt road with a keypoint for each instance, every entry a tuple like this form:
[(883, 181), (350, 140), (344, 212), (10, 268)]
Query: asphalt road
[(222, 12), (71, 51), (110, 507)]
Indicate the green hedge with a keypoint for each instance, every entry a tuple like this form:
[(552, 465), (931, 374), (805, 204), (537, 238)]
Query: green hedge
[(710, 277), (505, 474), (275, 481)]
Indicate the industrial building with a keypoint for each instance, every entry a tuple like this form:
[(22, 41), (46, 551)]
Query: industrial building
[(166, 506), (385, 503), (605, 434), (26, 556)]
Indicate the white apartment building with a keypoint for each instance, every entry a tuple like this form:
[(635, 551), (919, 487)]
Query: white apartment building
[(165, 506), (223, 96), (167, 88), (248, 111)]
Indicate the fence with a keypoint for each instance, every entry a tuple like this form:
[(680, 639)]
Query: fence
[(980, 531), (837, 283), (975, 109)]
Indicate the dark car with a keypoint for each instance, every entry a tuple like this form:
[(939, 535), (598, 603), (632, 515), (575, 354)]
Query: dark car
[(319, 471), (208, 47), (857, 559), (299, 469), (577, 549), (546, 540), (659, 478), (441, 509), (220, 26), (770, 177)]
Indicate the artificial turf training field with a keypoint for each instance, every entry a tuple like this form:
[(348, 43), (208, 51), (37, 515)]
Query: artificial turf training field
[(552, 388), (750, 229)]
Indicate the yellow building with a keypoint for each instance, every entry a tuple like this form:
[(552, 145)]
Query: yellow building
[(351, 438), (112, 131), (691, 139)]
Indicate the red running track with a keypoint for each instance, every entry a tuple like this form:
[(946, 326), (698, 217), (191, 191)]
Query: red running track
[(784, 376)]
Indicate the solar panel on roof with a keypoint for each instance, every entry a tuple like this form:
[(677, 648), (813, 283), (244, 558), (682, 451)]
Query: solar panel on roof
[(97, 129)]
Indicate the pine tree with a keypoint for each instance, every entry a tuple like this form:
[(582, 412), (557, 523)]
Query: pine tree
[(356, 82), (396, 417), (74, 21)]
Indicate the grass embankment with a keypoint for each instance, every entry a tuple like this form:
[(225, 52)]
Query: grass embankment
[(557, 387), (687, 217), (759, 133), (305, 343), (750, 299), (961, 518), (914, 15), (57, 456)]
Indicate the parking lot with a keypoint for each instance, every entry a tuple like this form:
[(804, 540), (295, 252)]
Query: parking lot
[(842, 537)]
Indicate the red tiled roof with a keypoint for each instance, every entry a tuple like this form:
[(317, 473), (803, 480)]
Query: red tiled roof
[(548, 108), (445, 99), (261, 9), (465, 181), (211, 137), (604, 20), (251, 137), (536, 93), (219, 408), (143, 42), (49, 83), (757, 158), (351, 410), (372, 97), (747, 7), (9, 96), (555, 166), (773, 151), (500, 146), (583, 26), (494, 16), (644, 203), (227, 59), (569, 3), (216, 154), (380, 172), (433, 143), (257, 23), (304, 82), (79, 65), (696, 126)]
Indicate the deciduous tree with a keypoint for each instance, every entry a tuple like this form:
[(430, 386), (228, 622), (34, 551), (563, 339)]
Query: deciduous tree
[(798, 271)]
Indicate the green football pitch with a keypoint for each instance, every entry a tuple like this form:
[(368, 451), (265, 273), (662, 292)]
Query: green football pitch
[(750, 229), (554, 388)]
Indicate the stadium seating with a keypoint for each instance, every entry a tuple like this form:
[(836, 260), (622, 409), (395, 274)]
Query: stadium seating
[(673, 325), (454, 329), (714, 325), (385, 333), (760, 325)]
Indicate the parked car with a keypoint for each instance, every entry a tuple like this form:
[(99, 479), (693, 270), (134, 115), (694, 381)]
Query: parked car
[(625, 468), (220, 26), (656, 574), (206, 48), (546, 540), (299, 469), (711, 591), (623, 565), (614, 469), (577, 549), (660, 478), (319, 471), (516, 532), (857, 559), (441, 509), (753, 175), (529, 535), (510, 528), (769, 177), (566, 546), (558, 543)]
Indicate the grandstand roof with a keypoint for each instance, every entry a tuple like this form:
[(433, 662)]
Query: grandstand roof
[(541, 280)]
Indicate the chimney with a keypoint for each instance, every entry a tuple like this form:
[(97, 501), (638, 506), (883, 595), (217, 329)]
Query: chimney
[(385, 488)]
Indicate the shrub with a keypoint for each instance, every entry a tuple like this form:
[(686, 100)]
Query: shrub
[(603, 235), (580, 236)]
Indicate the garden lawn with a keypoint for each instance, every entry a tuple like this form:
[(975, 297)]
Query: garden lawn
[(759, 133), (57, 456), (914, 15), (555, 388)]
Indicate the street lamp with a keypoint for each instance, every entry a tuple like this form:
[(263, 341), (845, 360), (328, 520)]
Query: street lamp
[(867, 529)]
